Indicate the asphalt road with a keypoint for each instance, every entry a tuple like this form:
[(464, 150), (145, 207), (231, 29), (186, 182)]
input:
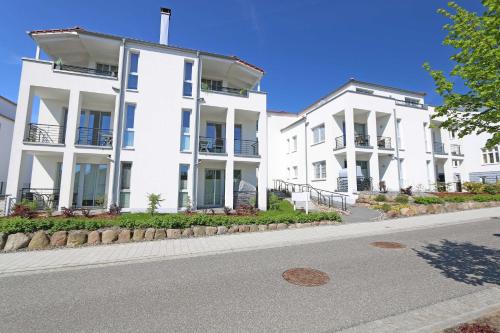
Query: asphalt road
[(245, 292)]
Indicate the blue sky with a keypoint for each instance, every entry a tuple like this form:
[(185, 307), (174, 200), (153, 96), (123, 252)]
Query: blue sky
[(307, 48)]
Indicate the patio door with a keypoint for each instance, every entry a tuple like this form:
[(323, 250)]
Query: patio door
[(214, 188), (216, 132), (95, 127), (90, 185)]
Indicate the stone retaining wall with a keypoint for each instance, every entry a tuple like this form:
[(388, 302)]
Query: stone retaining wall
[(448, 207)]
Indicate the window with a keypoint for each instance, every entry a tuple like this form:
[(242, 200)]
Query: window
[(188, 79), (289, 173), (411, 101), (106, 69), (133, 76), (185, 130), (453, 134), (236, 179), (215, 85), (295, 173), (183, 185), (288, 146), (398, 129), (491, 156), (426, 145), (125, 184), (319, 170), (294, 144), (364, 91), (128, 133), (456, 163), (319, 134)]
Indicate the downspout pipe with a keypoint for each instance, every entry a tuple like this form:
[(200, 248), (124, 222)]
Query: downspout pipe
[(194, 202), (305, 150), (397, 148)]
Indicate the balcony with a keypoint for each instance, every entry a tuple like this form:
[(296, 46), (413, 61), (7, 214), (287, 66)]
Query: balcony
[(411, 104), (339, 142), (384, 142), (94, 137), (439, 148), (225, 90), (46, 134), (212, 145), (362, 141), (456, 150), (362, 184), (246, 148), (43, 197), (85, 70)]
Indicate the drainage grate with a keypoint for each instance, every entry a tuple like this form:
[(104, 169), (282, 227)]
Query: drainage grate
[(388, 245), (306, 277)]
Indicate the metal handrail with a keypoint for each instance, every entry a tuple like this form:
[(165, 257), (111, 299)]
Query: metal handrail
[(362, 183), (322, 197), (340, 142), (43, 197), (362, 140), (212, 145), (85, 70), (95, 137), (44, 133), (439, 147), (246, 147), (232, 91), (456, 150), (411, 104), (384, 142)]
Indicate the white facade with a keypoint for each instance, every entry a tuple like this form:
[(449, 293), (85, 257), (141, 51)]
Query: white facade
[(362, 136), (7, 116), (110, 120)]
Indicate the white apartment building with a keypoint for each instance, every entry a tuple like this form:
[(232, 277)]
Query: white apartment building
[(363, 136), (107, 119), (7, 116)]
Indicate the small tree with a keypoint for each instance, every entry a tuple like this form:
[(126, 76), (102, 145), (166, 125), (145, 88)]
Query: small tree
[(154, 202), (473, 108)]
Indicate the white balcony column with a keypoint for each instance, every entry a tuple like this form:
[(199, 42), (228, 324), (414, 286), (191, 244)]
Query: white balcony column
[(73, 117), (67, 180), (37, 52), (24, 106), (262, 172), (448, 171), (230, 132), (372, 128), (374, 170), (229, 184), (350, 151)]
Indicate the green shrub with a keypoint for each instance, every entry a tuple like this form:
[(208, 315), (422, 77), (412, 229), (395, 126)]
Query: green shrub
[(490, 188), (473, 187), (154, 202), (428, 200), (456, 198), (486, 197), (385, 207), (401, 198), (380, 198), (274, 201)]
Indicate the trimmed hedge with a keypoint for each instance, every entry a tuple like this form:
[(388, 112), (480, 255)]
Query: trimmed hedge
[(427, 200), (135, 221), (457, 198)]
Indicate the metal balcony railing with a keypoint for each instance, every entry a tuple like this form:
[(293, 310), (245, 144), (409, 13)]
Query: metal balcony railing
[(456, 150), (85, 70), (43, 133), (227, 90), (411, 104), (362, 140), (439, 148), (384, 142), (43, 197), (94, 137), (362, 184), (340, 142), (212, 145), (246, 147)]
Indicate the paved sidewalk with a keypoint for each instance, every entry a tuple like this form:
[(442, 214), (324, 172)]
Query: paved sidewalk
[(47, 260)]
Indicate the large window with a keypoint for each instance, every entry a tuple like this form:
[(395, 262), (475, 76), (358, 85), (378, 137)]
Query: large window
[(399, 134), (125, 184), (295, 173), (319, 134), (491, 156), (208, 84), (133, 76), (185, 130), (128, 132), (188, 79), (319, 170), (183, 185), (294, 144)]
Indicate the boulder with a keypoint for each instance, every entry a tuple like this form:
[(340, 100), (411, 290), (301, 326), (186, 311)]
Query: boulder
[(234, 228), (40, 240), (244, 228), (149, 234), (221, 230), (160, 234), (188, 232), (307, 224), (109, 236), (262, 227), (138, 235), (174, 233), (254, 228), (292, 226), (315, 223), (299, 225), (124, 236), (94, 237), (324, 223), (210, 231), (16, 241), (76, 238), (59, 238), (405, 211), (272, 226), (281, 226), (3, 238), (198, 231)]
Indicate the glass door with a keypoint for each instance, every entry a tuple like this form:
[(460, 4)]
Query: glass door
[(90, 185), (216, 135), (95, 128), (237, 139), (214, 188)]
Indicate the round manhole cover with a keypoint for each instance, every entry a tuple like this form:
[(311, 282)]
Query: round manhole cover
[(306, 277), (388, 245)]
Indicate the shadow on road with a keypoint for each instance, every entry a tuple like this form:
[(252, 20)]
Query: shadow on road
[(463, 262)]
